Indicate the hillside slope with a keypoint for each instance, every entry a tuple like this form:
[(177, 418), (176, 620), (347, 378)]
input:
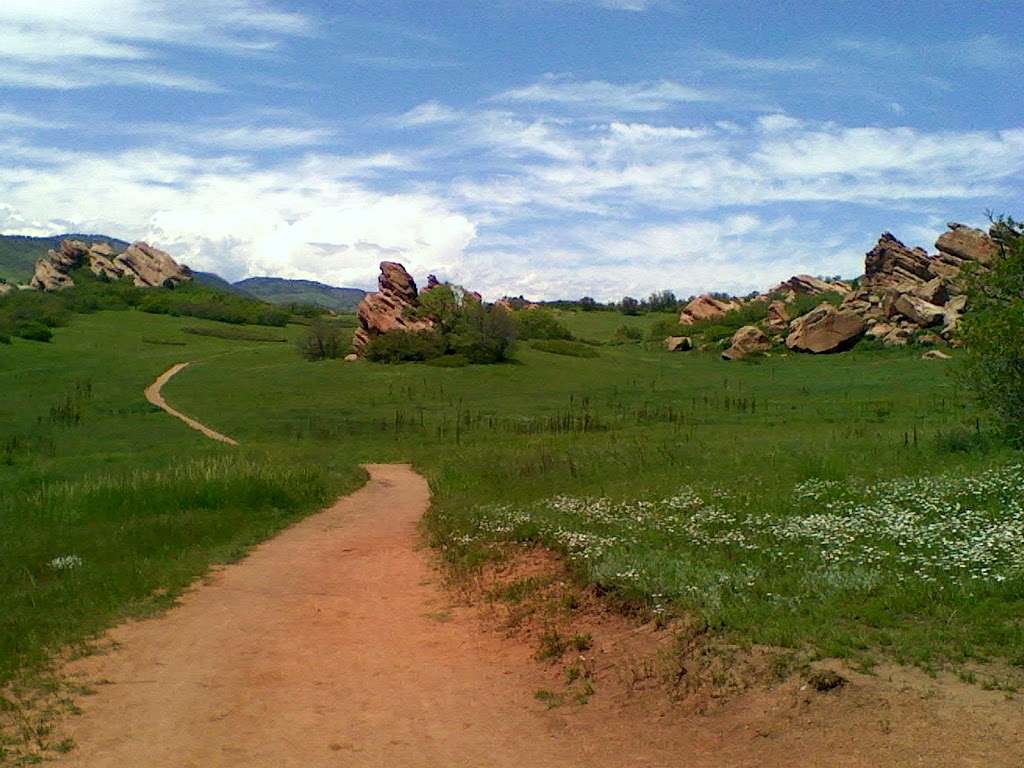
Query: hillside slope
[(282, 291)]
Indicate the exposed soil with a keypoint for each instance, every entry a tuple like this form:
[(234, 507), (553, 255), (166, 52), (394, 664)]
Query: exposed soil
[(156, 398), (337, 644)]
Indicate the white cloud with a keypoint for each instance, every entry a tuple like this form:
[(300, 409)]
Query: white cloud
[(599, 94), (298, 220), (87, 43), (726, 60)]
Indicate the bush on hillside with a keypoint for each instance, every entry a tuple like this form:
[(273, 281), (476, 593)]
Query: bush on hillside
[(993, 332), (323, 340), (484, 334), (405, 347), (540, 324)]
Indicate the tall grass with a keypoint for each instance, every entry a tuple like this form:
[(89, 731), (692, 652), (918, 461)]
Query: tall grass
[(86, 552)]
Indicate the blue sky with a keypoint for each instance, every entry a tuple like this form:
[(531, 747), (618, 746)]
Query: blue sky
[(548, 147)]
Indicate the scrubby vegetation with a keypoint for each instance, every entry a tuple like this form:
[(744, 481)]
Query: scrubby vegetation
[(994, 333), (324, 340)]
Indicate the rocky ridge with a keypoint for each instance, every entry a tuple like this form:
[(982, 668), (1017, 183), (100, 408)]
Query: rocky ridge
[(906, 295), (144, 265)]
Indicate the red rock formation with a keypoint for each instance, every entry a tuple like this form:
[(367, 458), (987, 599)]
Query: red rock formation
[(390, 308), (144, 265)]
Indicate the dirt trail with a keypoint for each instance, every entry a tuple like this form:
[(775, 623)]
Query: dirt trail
[(334, 644), (157, 399)]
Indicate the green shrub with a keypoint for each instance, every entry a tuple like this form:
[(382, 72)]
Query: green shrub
[(485, 334), (564, 347), (405, 347), (323, 340), (993, 332), (804, 303), (33, 331), (540, 324)]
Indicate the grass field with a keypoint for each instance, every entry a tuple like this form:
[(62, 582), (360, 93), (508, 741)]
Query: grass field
[(769, 498)]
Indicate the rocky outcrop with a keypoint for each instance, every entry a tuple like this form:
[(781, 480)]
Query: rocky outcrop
[(890, 264), (811, 286), (825, 329), (391, 308), (748, 340), (706, 307), (141, 263), (678, 343), (962, 244)]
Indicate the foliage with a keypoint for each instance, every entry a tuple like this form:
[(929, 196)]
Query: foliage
[(405, 347), (805, 302), (484, 333), (629, 306), (993, 332), (540, 324), (323, 340), (661, 301), (564, 347), (464, 328), (201, 301)]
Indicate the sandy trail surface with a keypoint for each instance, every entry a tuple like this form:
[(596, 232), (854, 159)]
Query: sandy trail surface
[(153, 394), (335, 644)]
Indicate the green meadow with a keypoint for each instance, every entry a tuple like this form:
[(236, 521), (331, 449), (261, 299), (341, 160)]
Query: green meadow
[(849, 505)]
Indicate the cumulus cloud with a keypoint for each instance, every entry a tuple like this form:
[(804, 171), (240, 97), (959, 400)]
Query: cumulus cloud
[(307, 220)]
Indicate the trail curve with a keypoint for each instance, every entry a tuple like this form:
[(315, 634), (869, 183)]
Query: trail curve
[(154, 396)]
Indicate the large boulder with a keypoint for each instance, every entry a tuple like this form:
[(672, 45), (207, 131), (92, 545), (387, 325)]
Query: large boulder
[(706, 307), (678, 343), (918, 311), (748, 340), (967, 244), (143, 264), (391, 308), (890, 264), (825, 329)]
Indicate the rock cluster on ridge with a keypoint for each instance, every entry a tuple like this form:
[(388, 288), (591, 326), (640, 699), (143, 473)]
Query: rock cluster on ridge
[(144, 265)]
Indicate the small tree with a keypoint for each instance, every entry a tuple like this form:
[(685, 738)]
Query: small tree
[(486, 334), (323, 340), (993, 331), (629, 306)]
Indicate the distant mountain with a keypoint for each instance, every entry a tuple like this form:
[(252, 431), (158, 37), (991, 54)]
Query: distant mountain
[(214, 280), (19, 254), (278, 290)]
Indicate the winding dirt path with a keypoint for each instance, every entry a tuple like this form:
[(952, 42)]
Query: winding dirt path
[(334, 644), (156, 398)]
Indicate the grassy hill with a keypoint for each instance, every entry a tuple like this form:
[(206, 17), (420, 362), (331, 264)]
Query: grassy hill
[(19, 254), (281, 291)]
